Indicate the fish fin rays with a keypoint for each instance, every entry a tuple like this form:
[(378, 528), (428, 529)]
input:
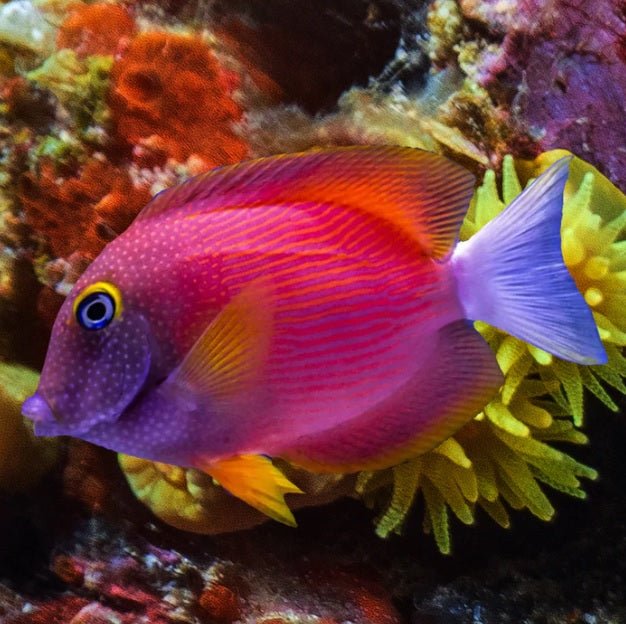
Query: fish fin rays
[(511, 274), (228, 358), (420, 193), (437, 401), (255, 480)]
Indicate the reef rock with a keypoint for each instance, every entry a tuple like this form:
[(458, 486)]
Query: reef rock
[(562, 72)]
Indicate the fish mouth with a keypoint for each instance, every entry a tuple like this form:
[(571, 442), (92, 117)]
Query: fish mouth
[(37, 409)]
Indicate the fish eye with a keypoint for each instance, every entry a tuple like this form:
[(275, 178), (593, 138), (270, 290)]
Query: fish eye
[(96, 311), (97, 306)]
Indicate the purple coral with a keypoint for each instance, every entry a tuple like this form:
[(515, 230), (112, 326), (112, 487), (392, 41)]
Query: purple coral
[(562, 72)]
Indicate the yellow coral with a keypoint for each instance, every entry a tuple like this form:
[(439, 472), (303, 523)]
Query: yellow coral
[(444, 23), (504, 454), (594, 218), (23, 457), (190, 500), (399, 120), (79, 84)]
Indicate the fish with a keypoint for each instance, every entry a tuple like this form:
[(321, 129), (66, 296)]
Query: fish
[(315, 308)]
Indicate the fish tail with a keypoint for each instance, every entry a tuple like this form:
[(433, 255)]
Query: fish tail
[(511, 274)]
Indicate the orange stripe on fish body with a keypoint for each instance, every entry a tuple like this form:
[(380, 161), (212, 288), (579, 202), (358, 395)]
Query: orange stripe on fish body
[(386, 182), (417, 417)]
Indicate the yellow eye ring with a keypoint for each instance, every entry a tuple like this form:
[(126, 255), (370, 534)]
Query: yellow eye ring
[(97, 306)]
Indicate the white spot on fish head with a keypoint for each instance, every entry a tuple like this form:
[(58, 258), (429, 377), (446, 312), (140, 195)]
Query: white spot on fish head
[(90, 376)]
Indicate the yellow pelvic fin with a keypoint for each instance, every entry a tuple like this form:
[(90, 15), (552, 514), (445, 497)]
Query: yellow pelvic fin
[(229, 356), (255, 480)]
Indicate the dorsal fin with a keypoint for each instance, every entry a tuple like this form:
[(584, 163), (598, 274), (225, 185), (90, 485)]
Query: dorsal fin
[(420, 193)]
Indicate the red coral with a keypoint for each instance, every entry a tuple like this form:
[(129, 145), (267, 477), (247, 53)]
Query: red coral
[(99, 28), (56, 611), (68, 570), (80, 213), (220, 603), (170, 94)]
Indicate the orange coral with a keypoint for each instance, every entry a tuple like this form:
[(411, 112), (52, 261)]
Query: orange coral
[(169, 93), (99, 28), (80, 213), (220, 603)]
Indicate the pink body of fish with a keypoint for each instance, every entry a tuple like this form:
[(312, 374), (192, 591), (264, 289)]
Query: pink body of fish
[(313, 307)]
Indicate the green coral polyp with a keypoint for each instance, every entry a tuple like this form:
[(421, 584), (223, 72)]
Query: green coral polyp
[(504, 457), (79, 84)]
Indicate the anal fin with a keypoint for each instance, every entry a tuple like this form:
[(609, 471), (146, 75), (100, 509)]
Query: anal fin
[(438, 400), (255, 480)]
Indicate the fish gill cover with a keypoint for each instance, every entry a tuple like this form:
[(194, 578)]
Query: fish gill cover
[(96, 119)]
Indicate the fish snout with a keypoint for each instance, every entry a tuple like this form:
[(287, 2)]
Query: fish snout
[(37, 409)]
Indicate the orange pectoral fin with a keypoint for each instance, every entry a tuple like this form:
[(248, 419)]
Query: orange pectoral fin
[(255, 480)]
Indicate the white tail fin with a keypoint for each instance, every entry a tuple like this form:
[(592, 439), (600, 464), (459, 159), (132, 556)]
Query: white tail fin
[(511, 275)]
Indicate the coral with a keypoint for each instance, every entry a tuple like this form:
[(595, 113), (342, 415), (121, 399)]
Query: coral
[(593, 230), (58, 611), (79, 84), (444, 24), (189, 499), (95, 613), (220, 603), (23, 458), (496, 15), (168, 93), (443, 109), (81, 212), (82, 30), (118, 573), (560, 70), (368, 117), (505, 452), (454, 45), (593, 227), (413, 121), (24, 25)]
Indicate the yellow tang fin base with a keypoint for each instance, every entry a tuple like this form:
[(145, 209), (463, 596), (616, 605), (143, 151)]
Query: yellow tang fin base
[(255, 480), (228, 358)]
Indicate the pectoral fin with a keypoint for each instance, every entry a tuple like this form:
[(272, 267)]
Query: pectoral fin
[(255, 480), (228, 358)]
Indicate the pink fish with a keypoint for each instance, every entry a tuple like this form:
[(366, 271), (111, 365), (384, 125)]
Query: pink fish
[(312, 307)]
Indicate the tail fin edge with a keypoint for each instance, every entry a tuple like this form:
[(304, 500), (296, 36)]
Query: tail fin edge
[(511, 274)]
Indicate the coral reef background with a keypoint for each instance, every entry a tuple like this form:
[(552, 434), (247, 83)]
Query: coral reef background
[(103, 104)]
